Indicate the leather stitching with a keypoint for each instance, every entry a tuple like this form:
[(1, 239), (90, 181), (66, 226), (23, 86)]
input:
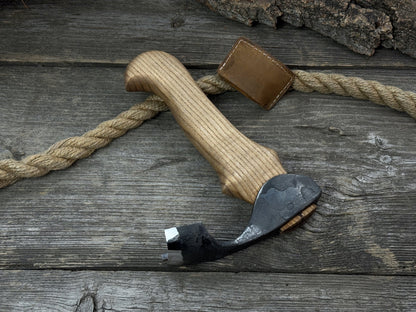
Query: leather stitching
[(230, 54)]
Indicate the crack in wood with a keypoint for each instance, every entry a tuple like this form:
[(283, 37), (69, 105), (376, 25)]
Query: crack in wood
[(325, 129), (165, 161), (87, 303), (7, 150)]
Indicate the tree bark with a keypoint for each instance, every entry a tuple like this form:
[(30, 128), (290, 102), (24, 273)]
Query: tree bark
[(361, 25)]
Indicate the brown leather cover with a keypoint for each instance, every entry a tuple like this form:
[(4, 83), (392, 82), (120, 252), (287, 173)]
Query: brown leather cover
[(255, 73)]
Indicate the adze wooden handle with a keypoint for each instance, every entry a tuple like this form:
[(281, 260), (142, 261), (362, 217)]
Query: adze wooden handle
[(242, 165)]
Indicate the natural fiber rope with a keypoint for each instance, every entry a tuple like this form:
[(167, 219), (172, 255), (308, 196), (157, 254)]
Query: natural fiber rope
[(64, 153), (358, 88)]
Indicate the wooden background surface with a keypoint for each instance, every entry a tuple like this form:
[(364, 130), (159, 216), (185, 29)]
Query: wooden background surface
[(89, 238)]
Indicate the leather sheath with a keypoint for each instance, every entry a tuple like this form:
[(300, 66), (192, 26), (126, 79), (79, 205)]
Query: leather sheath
[(255, 73)]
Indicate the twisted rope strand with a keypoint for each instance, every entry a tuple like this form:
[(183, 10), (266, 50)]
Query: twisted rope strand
[(64, 153), (358, 88)]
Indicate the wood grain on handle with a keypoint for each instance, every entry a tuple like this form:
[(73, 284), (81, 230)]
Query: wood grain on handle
[(242, 165)]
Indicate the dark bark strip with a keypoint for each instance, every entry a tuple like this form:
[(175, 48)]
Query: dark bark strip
[(361, 25)]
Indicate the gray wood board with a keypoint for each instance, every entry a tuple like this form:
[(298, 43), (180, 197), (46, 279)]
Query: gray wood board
[(114, 32), (89, 291), (109, 211)]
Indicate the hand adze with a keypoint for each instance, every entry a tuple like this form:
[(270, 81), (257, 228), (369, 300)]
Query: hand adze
[(247, 170)]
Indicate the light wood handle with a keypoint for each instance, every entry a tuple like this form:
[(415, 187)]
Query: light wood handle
[(242, 165)]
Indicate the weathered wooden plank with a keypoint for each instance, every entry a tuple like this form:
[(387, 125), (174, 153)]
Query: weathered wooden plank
[(89, 291), (115, 32), (110, 209)]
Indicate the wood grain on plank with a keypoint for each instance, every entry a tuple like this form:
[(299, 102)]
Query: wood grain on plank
[(89, 291), (115, 32), (110, 210)]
